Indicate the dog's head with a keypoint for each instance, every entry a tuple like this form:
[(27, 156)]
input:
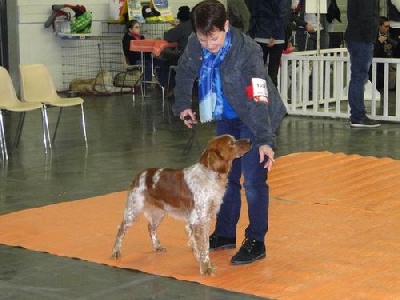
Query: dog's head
[(221, 151)]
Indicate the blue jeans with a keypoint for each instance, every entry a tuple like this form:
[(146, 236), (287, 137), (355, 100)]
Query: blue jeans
[(255, 184), (360, 61)]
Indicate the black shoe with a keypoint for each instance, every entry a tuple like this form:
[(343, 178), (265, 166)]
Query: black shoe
[(221, 242), (250, 251), (365, 123)]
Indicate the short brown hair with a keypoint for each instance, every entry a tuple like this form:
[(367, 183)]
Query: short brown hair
[(208, 16)]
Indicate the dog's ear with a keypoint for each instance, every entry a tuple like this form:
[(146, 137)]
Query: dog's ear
[(213, 160)]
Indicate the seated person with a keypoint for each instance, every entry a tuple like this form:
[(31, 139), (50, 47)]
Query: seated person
[(181, 31), (133, 28), (179, 34), (384, 47)]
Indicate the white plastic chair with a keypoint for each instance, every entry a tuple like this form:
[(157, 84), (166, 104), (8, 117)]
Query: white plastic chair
[(10, 102), (37, 86), (130, 69)]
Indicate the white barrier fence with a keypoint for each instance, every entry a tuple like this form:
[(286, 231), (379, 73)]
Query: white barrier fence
[(316, 85)]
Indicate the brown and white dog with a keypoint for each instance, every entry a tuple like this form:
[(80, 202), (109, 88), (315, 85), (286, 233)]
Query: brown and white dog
[(193, 194)]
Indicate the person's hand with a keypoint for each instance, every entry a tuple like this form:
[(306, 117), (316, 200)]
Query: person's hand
[(382, 38), (271, 42), (188, 117), (266, 151), (309, 27)]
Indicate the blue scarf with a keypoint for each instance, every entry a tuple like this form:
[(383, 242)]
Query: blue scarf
[(211, 95)]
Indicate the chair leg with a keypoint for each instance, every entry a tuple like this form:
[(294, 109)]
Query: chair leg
[(46, 133), (3, 144), (140, 80), (58, 122), (163, 96), (84, 125), (169, 80), (19, 129)]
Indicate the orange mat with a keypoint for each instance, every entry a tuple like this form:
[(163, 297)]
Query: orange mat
[(334, 233)]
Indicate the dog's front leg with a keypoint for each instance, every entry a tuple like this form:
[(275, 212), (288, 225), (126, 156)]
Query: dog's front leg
[(155, 216), (201, 248), (189, 232)]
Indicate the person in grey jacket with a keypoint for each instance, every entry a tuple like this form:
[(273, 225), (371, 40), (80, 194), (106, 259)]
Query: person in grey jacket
[(236, 92)]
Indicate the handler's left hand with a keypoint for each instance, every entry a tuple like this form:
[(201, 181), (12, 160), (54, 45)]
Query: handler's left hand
[(266, 150)]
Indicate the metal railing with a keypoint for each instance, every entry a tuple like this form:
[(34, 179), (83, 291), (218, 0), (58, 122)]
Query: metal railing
[(316, 85)]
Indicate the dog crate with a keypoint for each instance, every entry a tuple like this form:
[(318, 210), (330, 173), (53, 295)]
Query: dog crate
[(86, 58)]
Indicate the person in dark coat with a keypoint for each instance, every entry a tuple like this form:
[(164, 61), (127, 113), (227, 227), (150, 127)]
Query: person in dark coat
[(268, 20), (360, 35)]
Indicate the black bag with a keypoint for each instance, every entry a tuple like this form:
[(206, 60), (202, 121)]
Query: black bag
[(148, 12)]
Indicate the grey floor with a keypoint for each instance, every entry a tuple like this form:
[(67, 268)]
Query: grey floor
[(124, 138)]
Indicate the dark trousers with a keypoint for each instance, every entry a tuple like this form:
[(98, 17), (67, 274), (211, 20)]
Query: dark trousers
[(272, 58)]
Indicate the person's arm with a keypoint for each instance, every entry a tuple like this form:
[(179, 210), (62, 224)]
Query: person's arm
[(256, 113), (259, 111)]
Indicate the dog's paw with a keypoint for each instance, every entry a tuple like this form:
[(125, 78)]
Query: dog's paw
[(191, 244), (116, 254), (161, 249), (207, 269)]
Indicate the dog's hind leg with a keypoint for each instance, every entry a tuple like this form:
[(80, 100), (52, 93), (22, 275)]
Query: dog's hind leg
[(116, 252), (134, 206), (155, 216)]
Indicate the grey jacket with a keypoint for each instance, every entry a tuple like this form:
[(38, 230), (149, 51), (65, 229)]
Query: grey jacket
[(243, 62)]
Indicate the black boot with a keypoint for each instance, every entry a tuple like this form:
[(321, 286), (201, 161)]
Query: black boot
[(221, 242), (250, 251)]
